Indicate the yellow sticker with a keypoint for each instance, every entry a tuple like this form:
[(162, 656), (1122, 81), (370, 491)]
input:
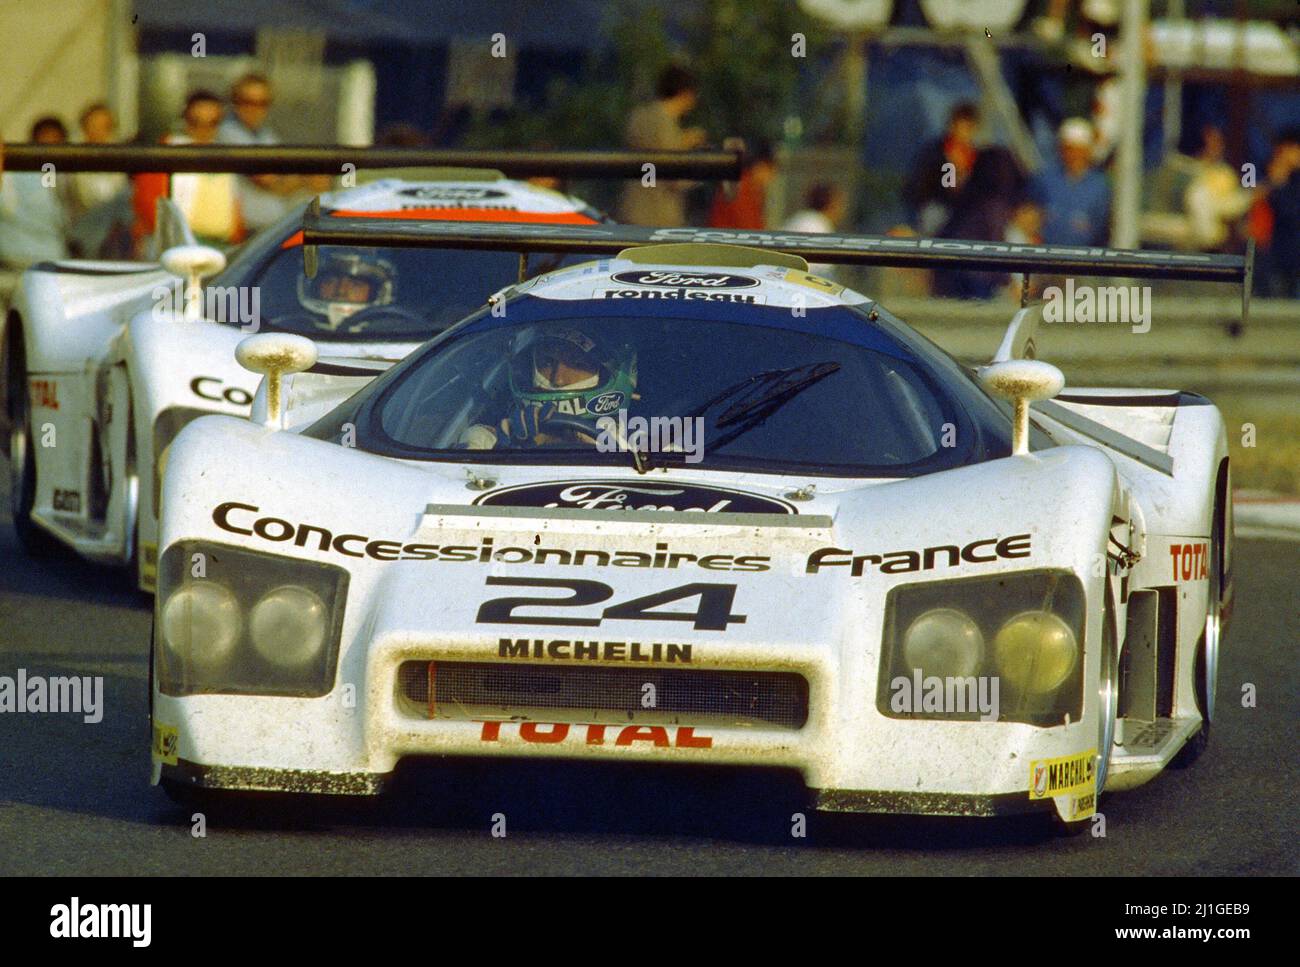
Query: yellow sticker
[(813, 282), (1066, 775), (1081, 807), (166, 738)]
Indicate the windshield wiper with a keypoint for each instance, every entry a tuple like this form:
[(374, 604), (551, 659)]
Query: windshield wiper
[(776, 381), (761, 395), (789, 384)]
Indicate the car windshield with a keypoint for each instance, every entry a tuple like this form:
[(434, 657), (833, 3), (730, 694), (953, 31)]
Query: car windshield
[(377, 294), (676, 390)]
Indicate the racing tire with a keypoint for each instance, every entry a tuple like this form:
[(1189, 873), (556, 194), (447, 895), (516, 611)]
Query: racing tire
[(1108, 704), (1207, 647), (22, 461), (132, 516)]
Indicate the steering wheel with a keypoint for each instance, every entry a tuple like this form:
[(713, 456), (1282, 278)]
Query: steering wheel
[(573, 424), (393, 311), (299, 322)]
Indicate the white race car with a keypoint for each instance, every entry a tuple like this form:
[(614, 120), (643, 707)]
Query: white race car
[(692, 504), (101, 364)]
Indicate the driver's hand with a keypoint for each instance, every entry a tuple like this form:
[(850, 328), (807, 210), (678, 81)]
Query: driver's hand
[(478, 437), (525, 423)]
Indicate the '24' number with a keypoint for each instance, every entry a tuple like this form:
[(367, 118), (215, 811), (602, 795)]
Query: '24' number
[(712, 613)]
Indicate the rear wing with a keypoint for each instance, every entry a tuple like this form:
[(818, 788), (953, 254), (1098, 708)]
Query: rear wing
[(332, 159), (909, 253)]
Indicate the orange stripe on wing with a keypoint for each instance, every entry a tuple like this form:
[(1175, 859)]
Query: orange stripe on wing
[(473, 215)]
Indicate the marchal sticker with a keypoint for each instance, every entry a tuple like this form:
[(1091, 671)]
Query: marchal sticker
[(619, 495), (1066, 775)]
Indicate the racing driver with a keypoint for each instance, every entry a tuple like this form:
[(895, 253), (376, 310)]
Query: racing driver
[(561, 383)]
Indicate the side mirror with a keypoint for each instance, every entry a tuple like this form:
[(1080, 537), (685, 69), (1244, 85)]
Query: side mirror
[(1022, 381), (273, 354), (193, 263)]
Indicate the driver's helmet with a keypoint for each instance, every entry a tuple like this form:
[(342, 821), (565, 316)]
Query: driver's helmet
[(346, 283), (581, 374)]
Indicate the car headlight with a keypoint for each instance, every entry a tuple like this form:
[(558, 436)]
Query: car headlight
[(1006, 647), (200, 624), (239, 622), (288, 626), (943, 642), (1035, 651)]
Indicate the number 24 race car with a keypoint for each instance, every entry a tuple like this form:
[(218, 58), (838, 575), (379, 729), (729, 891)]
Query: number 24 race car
[(689, 503)]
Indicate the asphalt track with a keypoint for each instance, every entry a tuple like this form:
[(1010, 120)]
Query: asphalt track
[(75, 799)]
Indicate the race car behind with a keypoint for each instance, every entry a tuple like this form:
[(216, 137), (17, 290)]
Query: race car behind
[(101, 363)]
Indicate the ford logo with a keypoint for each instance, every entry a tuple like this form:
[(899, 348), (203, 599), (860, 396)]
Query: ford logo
[(451, 193), (605, 403), (635, 495), (686, 280)]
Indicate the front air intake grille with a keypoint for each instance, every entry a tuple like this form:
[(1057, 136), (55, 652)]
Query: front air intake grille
[(645, 695)]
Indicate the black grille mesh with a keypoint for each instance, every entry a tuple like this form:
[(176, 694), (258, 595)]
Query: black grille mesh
[(739, 698)]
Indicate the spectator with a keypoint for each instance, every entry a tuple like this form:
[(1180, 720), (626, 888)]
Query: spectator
[(824, 208), (982, 211), (1215, 199), (748, 207), (250, 96), (1025, 228), (1026, 225), (99, 209), (208, 201), (1075, 196), (931, 189), (33, 217), (262, 198), (1284, 207), (49, 130), (657, 127)]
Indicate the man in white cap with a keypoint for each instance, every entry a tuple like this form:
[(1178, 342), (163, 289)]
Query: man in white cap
[(1075, 196)]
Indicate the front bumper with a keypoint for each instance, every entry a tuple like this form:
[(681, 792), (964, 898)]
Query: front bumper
[(185, 773), (928, 803), (854, 761)]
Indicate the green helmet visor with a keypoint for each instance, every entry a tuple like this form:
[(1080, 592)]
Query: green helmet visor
[(571, 370)]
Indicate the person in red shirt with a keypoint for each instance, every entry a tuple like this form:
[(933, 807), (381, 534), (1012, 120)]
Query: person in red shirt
[(931, 189), (201, 195), (747, 207)]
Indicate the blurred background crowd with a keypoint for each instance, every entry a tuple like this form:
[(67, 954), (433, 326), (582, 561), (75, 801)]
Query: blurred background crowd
[(973, 119)]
